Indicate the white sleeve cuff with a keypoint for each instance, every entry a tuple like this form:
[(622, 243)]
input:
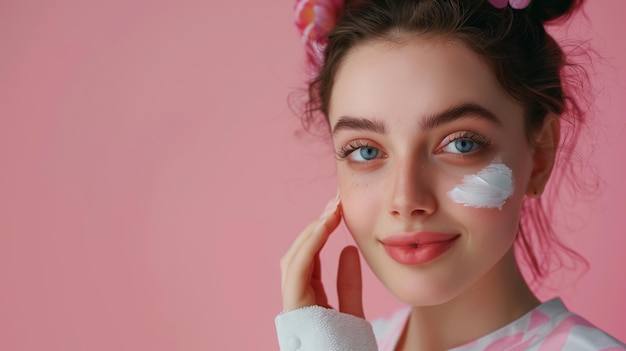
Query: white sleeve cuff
[(316, 328)]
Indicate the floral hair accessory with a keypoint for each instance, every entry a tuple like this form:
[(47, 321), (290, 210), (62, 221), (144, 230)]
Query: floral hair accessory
[(516, 4), (315, 19)]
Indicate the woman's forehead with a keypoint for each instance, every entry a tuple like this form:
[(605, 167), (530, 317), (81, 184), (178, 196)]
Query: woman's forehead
[(414, 78)]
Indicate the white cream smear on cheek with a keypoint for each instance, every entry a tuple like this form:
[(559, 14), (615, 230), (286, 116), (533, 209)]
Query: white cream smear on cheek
[(488, 188)]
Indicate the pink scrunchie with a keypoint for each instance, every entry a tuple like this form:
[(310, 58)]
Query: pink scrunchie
[(516, 4), (315, 19)]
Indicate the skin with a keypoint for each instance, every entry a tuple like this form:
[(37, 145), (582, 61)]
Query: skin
[(401, 185)]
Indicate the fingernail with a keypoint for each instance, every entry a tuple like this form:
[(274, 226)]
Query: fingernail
[(330, 207)]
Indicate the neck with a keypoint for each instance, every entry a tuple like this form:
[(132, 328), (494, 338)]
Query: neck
[(499, 298)]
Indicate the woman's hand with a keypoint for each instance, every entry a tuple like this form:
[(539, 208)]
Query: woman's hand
[(301, 268)]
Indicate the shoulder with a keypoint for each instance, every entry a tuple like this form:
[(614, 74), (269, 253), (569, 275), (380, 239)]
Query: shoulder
[(566, 330), (550, 326)]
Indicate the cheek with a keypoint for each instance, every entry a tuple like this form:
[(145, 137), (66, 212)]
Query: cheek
[(489, 188), (503, 221), (503, 224), (361, 203)]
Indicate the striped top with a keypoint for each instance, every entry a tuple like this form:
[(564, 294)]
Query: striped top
[(548, 327)]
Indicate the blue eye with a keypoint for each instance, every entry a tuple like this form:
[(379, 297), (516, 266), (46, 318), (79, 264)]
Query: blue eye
[(359, 151), (464, 145), (368, 153), (461, 146)]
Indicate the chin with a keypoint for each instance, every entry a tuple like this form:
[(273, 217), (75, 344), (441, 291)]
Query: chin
[(417, 294), (428, 285)]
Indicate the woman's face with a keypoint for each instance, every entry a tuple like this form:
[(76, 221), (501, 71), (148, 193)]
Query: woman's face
[(411, 122)]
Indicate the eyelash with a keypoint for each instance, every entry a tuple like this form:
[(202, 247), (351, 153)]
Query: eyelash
[(471, 135), (475, 137), (346, 150)]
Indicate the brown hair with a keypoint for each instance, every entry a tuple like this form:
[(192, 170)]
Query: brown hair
[(528, 63)]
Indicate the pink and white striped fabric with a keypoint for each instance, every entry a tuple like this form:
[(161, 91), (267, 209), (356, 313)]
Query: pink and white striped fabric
[(549, 327)]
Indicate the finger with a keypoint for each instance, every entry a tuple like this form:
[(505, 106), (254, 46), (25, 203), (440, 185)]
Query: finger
[(313, 237), (317, 284), (285, 261), (299, 289), (330, 210), (298, 266), (349, 283), (295, 246), (317, 268)]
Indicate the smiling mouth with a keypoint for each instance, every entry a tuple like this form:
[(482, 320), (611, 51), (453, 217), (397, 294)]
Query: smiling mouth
[(409, 252), (416, 245), (417, 239)]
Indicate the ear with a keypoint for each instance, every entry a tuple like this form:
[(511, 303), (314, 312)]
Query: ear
[(544, 155)]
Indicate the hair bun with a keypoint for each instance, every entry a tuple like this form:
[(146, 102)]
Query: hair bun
[(554, 10)]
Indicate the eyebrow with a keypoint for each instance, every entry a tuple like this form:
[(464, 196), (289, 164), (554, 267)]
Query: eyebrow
[(456, 112), (356, 123), (448, 115)]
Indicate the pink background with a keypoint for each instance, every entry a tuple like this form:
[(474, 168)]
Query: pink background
[(152, 175)]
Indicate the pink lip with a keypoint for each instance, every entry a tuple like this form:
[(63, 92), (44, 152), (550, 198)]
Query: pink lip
[(418, 247)]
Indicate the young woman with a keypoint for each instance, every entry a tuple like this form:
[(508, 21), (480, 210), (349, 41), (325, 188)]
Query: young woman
[(446, 117)]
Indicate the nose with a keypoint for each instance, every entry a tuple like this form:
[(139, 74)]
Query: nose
[(412, 194)]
